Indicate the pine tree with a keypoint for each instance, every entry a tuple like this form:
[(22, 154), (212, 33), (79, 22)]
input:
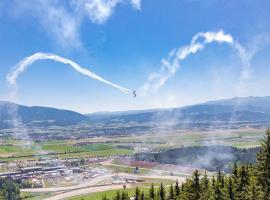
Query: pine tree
[(186, 190), (152, 192), (219, 192), (205, 188), (220, 179), (177, 189), (142, 196), (254, 192), (105, 198), (10, 190), (263, 166), (235, 171), (124, 196), (171, 193), (137, 194), (161, 192), (196, 185), (231, 193), (117, 196)]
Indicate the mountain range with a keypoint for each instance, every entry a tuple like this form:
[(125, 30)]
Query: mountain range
[(238, 109)]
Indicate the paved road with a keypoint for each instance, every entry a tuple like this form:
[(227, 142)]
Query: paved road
[(94, 189), (89, 186), (88, 190), (160, 171), (87, 183), (99, 179)]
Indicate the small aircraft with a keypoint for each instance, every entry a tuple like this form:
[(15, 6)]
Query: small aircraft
[(134, 94)]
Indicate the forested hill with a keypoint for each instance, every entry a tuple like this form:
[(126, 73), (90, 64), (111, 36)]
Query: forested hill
[(37, 115), (236, 110), (211, 158)]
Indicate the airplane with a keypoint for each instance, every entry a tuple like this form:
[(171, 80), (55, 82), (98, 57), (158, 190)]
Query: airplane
[(134, 94)]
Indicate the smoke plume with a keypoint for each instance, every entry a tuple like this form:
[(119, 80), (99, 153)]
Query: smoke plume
[(172, 63), (26, 62)]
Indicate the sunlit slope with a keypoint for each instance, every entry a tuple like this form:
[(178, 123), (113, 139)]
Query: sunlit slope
[(245, 109)]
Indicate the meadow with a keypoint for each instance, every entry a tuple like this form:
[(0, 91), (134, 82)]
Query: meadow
[(123, 145)]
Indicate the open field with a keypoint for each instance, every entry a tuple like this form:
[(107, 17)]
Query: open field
[(35, 196), (93, 186), (123, 145), (62, 150), (109, 154), (109, 194)]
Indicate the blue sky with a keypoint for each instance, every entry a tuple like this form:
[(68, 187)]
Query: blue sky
[(124, 41)]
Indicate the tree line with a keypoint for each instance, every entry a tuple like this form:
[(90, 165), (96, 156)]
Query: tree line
[(212, 158), (245, 182), (9, 190)]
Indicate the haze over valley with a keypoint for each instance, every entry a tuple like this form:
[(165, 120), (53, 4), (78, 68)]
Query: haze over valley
[(134, 100)]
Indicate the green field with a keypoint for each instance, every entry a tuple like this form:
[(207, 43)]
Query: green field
[(111, 193), (99, 195), (62, 147), (35, 196), (61, 150), (243, 138)]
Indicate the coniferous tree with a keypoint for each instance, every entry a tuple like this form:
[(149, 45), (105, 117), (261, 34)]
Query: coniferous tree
[(10, 190), (124, 196), (171, 195), (254, 192), (161, 192), (137, 194), (177, 189), (263, 166), (219, 192), (220, 179), (196, 188), (152, 192), (235, 171), (205, 188), (231, 193), (105, 198), (242, 184), (117, 196), (142, 196)]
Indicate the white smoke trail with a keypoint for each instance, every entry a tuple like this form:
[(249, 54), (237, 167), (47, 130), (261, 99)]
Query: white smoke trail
[(171, 64), (26, 62)]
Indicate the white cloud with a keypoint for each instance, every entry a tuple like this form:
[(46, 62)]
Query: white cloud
[(136, 4), (62, 19), (100, 10), (54, 18)]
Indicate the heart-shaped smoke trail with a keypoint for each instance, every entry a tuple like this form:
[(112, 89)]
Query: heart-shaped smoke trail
[(171, 64), (26, 62)]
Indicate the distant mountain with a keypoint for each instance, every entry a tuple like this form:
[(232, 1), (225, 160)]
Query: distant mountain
[(36, 115), (240, 109), (235, 110)]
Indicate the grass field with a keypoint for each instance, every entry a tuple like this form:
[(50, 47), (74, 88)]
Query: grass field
[(35, 196), (15, 150), (111, 193), (242, 138), (62, 150), (125, 169)]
